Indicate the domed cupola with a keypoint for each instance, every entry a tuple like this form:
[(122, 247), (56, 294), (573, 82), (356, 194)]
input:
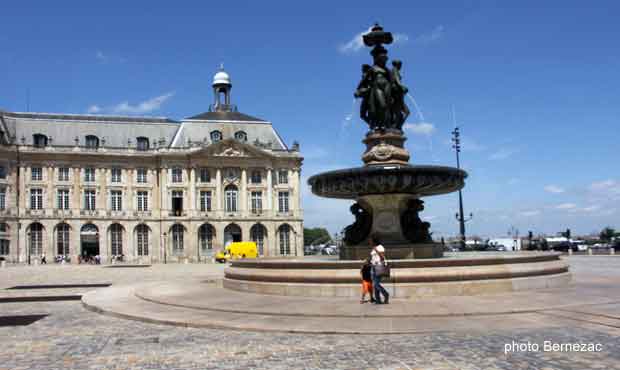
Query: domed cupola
[(221, 91)]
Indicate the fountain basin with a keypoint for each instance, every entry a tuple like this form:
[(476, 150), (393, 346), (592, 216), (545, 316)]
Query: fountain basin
[(418, 180), (466, 274)]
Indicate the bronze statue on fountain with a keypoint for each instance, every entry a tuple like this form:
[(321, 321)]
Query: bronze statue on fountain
[(387, 189)]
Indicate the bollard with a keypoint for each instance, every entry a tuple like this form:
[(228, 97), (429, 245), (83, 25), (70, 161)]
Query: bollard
[(186, 261), (570, 251), (612, 251), (589, 251), (2, 264)]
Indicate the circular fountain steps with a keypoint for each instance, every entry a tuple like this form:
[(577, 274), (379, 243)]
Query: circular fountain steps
[(201, 304), (471, 274)]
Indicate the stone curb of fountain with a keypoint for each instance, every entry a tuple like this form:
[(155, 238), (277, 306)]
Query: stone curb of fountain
[(125, 302)]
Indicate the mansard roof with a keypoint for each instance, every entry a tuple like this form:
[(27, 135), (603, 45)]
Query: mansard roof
[(226, 116)]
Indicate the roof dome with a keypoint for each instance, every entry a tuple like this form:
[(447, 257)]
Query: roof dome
[(221, 78)]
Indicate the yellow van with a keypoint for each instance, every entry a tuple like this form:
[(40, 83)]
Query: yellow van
[(237, 250)]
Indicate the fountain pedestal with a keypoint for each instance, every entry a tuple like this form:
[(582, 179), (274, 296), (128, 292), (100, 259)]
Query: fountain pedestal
[(389, 218)]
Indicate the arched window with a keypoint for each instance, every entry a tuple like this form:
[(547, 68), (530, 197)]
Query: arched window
[(231, 198), (142, 143), (62, 240), (284, 232), (116, 239), (258, 234), (177, 238), (92, 142), (142, 239), (36, 239), (39, 140), (232, 233), (216, 136), (206, 234), (241, 136)]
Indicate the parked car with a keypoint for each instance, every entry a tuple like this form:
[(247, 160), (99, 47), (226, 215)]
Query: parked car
[(564, 247)]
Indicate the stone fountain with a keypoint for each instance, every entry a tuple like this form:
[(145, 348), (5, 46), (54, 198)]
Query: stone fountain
[(387, 189)]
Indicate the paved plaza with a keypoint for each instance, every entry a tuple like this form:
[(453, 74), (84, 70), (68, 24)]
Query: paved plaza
[(72, 337)]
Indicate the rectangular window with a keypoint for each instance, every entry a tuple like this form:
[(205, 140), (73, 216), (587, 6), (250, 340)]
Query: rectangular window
[(2, 172), (63, 174), (89, 175), (37, 173), (177, 174), (141, 176), (257, 201), (283, 177), (2, 199), (116, 197), (205, 175), (143, 201), (89, 200), (256, 177), (205, 201), (63, 199), (36, 198), (177, 203), (283, 201), (4, 247), (116, 175)]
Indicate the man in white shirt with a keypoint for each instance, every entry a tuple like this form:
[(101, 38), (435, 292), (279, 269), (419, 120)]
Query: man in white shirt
[(377, 257)]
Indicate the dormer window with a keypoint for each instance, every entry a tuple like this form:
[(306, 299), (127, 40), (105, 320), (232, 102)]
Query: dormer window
[(142, 143), (39, 140), (92, 141), (216, 136), (241, 136)]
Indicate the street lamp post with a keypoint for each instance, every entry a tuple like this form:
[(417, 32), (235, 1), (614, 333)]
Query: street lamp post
[(456, 144)]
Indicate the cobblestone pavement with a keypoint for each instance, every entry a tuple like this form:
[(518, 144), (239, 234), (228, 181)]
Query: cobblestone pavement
[(73, 338)]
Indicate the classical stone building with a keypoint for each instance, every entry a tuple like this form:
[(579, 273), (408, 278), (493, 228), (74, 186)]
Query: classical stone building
[(151, 189)]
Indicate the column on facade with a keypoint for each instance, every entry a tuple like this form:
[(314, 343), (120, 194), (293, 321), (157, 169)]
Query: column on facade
[(243, 198), (129, 198), (101, 178), (191, 206), (163, 193), (50, 198), (270, 190), (219, 201), (74, 240), (76, 197)]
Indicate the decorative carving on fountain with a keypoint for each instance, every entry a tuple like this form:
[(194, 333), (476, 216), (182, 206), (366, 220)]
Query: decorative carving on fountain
[(414, 229), (358, 231)]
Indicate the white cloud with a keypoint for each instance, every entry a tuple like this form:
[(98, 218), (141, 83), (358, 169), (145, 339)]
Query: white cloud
[(609, 189), (146, 106), (430, 37), (93, 109), (357, 42), (501, 154), (529, 213), (592, 208), (422, 128), (101, 56), (566, 206), (554, 189)]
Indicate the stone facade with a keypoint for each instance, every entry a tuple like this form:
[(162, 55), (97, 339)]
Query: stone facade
[(166, 200)]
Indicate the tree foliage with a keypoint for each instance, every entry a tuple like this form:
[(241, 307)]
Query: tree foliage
[(607, 233), (317, 235)]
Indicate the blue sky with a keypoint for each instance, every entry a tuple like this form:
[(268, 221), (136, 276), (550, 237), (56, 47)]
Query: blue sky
[(535, 87)]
